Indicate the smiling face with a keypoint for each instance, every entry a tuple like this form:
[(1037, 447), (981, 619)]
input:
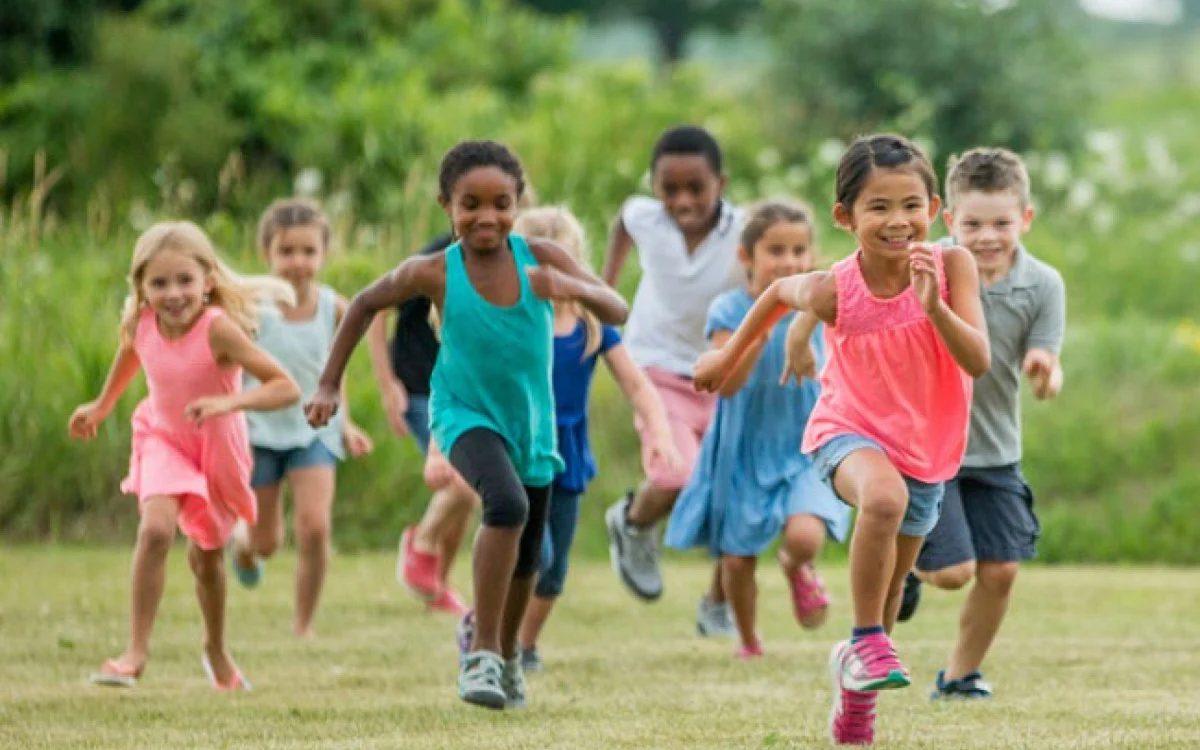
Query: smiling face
[(690, 190), (296, 254), (482, 206), (174, 284), (784, 249), (893, 210), (990, 225)]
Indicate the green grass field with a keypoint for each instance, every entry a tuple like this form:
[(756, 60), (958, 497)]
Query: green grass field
[(1091, 658)]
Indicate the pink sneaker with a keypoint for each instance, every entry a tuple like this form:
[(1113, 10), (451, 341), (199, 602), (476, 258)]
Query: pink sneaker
[(448, 600), (852, 720), (870, 663), (810, 602), (417, 571), (750, 652)]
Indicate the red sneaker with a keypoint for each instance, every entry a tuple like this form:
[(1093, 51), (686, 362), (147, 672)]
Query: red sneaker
[(417, 571)]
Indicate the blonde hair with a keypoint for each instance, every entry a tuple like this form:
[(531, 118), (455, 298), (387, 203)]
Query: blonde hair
[(234, 294), (286, 213), (559, 225)]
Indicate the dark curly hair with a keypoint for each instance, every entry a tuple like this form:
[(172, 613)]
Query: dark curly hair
[(689, 140), (470, 155), (885, 151)]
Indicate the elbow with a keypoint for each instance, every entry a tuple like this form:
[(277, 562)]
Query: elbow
[(979, 365), (290, 392), (616, 313)]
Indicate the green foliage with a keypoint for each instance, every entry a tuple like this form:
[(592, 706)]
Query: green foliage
[(961, 73)]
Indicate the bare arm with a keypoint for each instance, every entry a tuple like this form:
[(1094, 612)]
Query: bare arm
[(86, 418), (961, 323), (277, 390), (644, 398), (738, 376), (578, 283), (620, 242), (381, 361)]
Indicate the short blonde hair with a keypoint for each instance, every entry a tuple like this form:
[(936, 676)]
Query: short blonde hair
[(559, 225), (231, 292)]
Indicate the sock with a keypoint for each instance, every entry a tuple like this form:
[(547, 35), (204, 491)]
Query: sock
[(859, 633)]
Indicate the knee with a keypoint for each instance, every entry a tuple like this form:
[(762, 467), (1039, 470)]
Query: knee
[(802, 541), (312, 534), (206, 565), (738, 565), (155, 538), (884, 505), (267, 542), (997, 577), (952, 578), (504, 509)]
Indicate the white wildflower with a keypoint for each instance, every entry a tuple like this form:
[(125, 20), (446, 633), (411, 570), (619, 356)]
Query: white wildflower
[(308, 182)]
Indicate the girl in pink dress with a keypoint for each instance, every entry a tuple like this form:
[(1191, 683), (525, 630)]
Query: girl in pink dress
[(187, 323), (904, 336)]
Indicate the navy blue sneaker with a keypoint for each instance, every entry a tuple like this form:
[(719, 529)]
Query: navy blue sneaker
[(968, 687), (910, 598)]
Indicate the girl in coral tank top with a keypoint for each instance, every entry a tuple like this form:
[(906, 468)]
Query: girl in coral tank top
[(904, 336), (187, 324)]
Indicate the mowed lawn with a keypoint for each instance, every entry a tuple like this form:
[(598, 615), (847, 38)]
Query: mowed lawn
[(1091, 658)]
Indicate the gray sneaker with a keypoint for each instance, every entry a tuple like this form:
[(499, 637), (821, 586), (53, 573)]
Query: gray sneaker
[(480, 681), (530, 660), (714, 620), (512, 680), (634, 552)]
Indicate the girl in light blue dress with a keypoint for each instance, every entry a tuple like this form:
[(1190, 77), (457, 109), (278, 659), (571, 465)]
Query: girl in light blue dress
[(751, 482)]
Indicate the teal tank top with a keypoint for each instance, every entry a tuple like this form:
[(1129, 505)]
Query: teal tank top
[(301, 347), (494, 369)]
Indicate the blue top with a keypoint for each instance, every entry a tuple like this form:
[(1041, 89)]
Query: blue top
[(494, 369), (572, 381), (301, 347), (751, 476)]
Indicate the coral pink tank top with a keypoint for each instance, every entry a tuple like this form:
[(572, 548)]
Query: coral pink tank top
[(890, 377)]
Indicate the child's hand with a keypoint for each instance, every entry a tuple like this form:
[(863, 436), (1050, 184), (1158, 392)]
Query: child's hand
[(358, 443), (84, 421), (800, 361), (395, 405), (1043, 372), (207, 407), (710, 371), (322, 406), (923, 273), (662, 448), (551, 283)]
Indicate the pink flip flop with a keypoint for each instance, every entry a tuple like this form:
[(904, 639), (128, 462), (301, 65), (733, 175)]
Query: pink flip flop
[(237, 683), (115, 674), (810, 602)]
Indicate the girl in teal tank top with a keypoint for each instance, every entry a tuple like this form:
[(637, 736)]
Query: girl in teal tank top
[(492, 402)]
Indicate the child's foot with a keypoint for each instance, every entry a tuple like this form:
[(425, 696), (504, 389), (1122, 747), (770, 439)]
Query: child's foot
[(448, 600), (968, 687), (714, 620), (222, 672), (870, 663), (247, 566), (512, 679), (530, 660), (464, 634), (633, 551), (123, 671), (750, 652), (479, 681), (911, 597), (810, 602), (416, 570), (852, 720)]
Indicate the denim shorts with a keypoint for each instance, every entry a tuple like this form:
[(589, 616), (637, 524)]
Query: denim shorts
[(924, 500), (417, 418), (271, 466)]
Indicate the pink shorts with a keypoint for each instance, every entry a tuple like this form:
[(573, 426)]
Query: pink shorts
[(689, 414)]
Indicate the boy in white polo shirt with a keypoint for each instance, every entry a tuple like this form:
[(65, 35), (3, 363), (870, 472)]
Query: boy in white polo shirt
[(687, 240)]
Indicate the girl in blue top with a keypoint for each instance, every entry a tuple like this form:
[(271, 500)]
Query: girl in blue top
[(293, 237), (579, 340), (751, 481), (492, 403)]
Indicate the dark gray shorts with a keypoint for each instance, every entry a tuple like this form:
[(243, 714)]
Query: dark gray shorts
[(987, 514)]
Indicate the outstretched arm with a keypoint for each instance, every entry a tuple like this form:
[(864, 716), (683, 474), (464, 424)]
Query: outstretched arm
[(620, 242), (231, 345), (86, 418), (561, 277)]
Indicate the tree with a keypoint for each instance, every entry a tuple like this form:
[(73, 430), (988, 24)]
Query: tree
[(673, 21)]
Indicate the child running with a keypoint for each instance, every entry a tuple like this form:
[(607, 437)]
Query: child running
[(187, 323), (687, 240), (293, 237), (987, 526), (492, 402), (751, 481), (579, 340), (905, 336)]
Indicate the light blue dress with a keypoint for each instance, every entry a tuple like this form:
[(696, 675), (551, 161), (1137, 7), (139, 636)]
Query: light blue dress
[(751, 476)]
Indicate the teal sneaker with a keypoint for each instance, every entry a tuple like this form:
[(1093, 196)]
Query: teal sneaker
[(512, 680), (249, 577), (531, 661), (479, 682)]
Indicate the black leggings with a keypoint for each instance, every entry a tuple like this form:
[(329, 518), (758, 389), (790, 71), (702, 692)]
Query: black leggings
[(479, 455)]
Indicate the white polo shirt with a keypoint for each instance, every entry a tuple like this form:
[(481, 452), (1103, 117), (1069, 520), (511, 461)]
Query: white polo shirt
[(666, 325)]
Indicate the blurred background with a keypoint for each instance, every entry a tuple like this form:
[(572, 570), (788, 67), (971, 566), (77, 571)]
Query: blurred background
[(118, 113)]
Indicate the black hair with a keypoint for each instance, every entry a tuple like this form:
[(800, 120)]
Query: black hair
[(885, 151), (691, 140), (469, 155)]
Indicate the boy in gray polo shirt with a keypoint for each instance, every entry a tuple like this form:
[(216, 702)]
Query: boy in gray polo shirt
[(987, 526)]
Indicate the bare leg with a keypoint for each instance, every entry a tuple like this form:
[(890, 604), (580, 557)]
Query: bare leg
[(156, 530), (312, 490), (952, 578), (266, 536), (742, 588), (981, 617), (209, 571), (907, 549), (519, 591), (494, 561), (651, 504)]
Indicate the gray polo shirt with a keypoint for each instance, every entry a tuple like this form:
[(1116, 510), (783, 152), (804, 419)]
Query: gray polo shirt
[(1027, 309)]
